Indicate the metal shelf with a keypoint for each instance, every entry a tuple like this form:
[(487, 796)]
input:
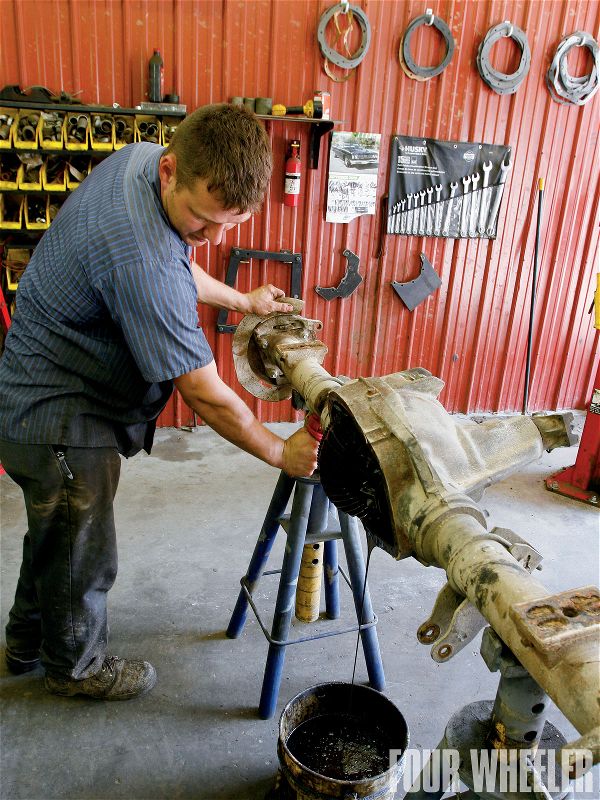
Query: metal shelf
[(319, 127), (63, 152), (89, 109)]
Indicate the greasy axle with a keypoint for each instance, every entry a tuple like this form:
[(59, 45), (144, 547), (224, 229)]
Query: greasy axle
[(393, 456)]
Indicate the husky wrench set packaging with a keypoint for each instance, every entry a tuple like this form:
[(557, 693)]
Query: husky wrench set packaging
[(448, 189)]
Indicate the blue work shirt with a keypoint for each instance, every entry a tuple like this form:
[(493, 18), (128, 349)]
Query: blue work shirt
[(106, 316)]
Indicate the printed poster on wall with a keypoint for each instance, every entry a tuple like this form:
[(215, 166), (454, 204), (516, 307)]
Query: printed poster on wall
[(352, 180), (447, 189)]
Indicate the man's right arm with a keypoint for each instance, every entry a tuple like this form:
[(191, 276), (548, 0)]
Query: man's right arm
[(219, 406)]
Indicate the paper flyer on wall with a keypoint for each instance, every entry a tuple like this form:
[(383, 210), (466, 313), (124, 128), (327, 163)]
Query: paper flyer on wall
[(448, 189), (352, 180)]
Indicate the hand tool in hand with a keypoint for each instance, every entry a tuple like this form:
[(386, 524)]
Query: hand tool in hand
[(312, 423)]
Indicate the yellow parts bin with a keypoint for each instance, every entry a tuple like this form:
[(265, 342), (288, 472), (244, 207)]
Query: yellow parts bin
[(102, 132), (169, 124), (8, 124), (54, 174), (30, 174), (10, 166), (16, 259), (11, 211), (52, 131), (77, 131), (37, 212), (78, 168), (148, 129), (124, 131), (27, 132)]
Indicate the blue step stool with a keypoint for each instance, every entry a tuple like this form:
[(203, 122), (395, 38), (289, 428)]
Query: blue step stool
[(311, 520)]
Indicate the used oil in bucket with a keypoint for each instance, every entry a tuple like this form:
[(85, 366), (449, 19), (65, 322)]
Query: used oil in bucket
[(337, 740), (341, 746)]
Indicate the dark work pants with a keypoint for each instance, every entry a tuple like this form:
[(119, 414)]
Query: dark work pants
[(69, 554)]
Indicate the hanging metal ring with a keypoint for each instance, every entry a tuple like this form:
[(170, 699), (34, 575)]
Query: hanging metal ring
[(412, 69), (500, 82), (332, 55), (563, 87)]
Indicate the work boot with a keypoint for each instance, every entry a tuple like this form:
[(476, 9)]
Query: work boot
[(118, 679), (22, 661)]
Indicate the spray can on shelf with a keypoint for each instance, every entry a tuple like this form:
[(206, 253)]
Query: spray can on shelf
[(156, 78)]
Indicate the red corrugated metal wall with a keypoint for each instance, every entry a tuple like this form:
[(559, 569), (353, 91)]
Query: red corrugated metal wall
[(473, 331)]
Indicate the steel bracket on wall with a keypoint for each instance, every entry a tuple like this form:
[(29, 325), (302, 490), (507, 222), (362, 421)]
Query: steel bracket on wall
[(351, 280), (239, 256), (414, 292)]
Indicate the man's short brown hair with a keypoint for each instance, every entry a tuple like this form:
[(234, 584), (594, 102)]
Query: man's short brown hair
[(228, 147)]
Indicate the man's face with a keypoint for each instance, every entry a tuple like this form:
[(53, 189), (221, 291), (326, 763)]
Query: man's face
[(197, 215)]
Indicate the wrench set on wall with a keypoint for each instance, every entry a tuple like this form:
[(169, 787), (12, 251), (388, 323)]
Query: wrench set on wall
[(447, 189), (452, 211)]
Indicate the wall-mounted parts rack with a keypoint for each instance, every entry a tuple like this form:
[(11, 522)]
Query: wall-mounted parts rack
[(46, 150)]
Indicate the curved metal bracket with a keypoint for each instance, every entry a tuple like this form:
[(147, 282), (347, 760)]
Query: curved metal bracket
[(414, 292), (349, 283), (453, 623)]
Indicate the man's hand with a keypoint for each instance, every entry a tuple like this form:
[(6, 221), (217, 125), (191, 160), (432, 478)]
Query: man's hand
[(227, 414), (300, 454), (263, 301)]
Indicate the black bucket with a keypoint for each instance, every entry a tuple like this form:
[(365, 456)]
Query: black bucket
[(335, 741)]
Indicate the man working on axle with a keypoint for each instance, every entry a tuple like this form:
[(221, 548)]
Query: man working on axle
[(106, 322)]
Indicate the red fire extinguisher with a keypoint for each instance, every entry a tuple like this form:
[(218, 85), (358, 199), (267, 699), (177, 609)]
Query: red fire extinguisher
[(293, 167)]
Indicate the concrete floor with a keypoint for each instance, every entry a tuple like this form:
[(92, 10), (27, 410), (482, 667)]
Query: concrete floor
[(187, 518)]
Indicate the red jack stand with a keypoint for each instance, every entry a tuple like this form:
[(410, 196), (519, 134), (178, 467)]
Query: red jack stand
[(582, 480)]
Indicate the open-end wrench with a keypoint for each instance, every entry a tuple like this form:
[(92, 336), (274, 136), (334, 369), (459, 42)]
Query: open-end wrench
[(449, 204), (495, 204), (402, 216), (409, 198), (429, 212), (422, 212), (474, 205), (464, 219), (485, 196), (438, 210), (415, 214)]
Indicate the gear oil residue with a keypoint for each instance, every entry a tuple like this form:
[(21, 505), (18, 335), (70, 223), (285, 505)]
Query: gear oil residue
[(341, 746)]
